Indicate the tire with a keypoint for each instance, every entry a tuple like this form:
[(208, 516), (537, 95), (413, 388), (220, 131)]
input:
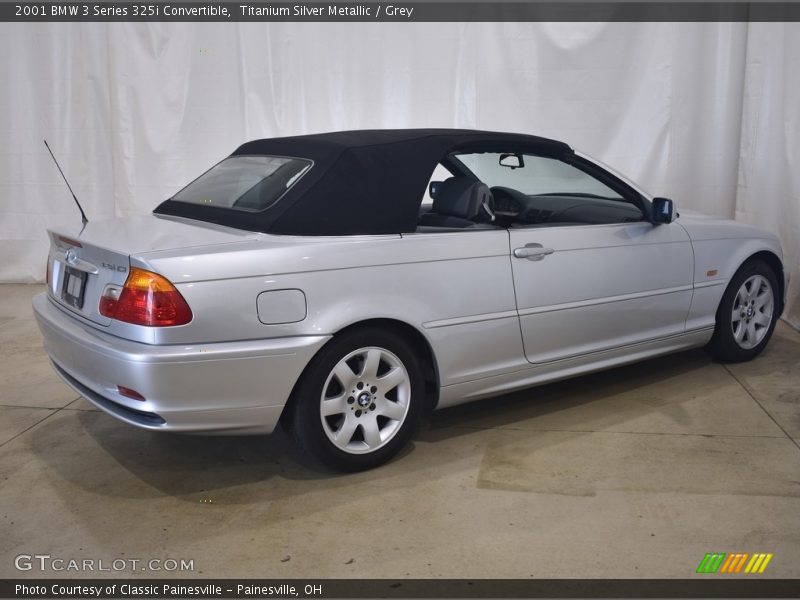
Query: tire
[(747, 314), (359, 401)]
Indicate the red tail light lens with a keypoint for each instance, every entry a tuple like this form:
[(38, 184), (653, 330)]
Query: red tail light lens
[(146, 299)]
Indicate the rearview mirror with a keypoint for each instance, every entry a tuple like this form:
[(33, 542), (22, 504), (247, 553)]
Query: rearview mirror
[(434, 187), (663, 210), (512, 161)]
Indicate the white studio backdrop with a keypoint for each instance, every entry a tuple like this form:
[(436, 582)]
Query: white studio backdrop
[(705, 113)]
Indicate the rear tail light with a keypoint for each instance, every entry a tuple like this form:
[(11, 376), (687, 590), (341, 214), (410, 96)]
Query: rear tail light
[(110, 300), (146, 299)]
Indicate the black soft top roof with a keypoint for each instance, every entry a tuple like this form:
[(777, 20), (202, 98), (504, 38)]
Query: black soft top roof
[(362, 182)]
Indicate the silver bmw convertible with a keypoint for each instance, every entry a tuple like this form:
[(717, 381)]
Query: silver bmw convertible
[(344, 283)]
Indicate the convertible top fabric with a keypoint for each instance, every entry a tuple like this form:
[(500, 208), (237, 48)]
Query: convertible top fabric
[(362, 182)]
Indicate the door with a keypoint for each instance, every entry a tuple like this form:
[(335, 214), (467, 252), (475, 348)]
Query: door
[(590, 272), (583, 289)]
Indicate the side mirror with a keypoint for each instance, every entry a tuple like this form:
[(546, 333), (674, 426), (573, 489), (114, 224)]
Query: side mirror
[(434, 187), (512, 161), (663, 210)]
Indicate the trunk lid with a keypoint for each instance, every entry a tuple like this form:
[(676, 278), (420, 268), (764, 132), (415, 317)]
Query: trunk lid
[(82, 262)]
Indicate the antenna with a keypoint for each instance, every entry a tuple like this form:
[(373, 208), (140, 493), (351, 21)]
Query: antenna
[(83, 214)]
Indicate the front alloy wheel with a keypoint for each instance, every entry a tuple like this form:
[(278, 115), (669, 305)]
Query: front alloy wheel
[(747, 313), (752, 311), (359, 400)]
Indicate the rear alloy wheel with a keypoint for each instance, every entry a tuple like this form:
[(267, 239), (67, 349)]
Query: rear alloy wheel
[(358, 402), (365, 400), (747, 313)]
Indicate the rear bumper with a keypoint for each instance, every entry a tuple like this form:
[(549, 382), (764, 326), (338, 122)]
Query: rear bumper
[(230, 387)]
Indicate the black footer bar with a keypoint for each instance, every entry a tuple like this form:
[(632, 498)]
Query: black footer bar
[(712, 586)]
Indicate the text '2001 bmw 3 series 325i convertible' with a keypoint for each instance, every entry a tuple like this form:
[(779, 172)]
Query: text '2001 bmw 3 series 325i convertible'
[(311, 281)]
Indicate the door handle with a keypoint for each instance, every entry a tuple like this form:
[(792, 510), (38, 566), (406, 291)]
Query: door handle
[(532, 252)]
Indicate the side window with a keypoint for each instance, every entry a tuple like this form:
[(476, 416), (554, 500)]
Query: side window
[(536, 190)]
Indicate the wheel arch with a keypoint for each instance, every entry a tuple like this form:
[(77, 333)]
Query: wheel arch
[(414, 336), (723, 345), (776, 265)]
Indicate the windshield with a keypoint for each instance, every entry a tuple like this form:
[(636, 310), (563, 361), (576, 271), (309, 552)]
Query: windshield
[(535, 175), (250, 183)]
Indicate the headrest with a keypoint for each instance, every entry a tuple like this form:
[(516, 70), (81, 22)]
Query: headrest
[(464, 198)]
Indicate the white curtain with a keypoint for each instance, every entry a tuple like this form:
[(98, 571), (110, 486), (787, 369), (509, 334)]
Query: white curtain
[(706, 113)]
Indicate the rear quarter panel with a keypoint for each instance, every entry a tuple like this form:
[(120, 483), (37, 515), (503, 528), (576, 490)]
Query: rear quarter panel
[(454, 288)]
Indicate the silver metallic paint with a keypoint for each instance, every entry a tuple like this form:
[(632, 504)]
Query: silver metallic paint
[(607, 295)]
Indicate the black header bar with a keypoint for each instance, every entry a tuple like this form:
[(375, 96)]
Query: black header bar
[(402, 12)]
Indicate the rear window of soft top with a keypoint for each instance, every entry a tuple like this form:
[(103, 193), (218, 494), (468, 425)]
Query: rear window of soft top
[(250, 183)]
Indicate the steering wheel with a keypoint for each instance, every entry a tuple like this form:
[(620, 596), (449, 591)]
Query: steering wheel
[(508, 199)]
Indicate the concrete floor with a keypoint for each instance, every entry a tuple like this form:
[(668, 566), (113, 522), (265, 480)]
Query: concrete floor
[(636, 472)]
